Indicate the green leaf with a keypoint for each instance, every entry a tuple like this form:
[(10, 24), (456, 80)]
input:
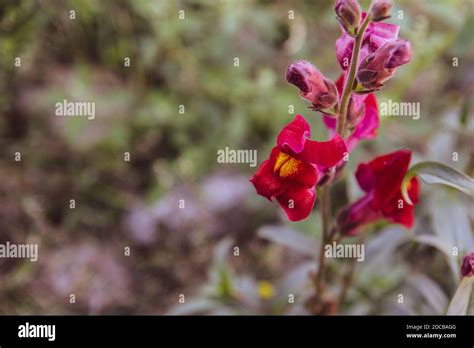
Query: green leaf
[(438, 173), (460, 302)]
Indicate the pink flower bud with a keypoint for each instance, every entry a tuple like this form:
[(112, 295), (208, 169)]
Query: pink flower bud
[(376, 34), (314, 87), (348, 13), (379, 66), (380, 10), (467, 267)]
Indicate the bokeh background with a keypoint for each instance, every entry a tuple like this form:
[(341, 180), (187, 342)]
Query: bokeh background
[(135, 204)]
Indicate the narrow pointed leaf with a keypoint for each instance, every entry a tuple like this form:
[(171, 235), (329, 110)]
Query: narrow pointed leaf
[(460, 302), (438, 173)]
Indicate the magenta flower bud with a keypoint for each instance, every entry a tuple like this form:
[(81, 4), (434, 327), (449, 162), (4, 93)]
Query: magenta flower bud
[(356, 215), (379, 66), (313, 86), (380, 10), (348, 13), (467, 266)]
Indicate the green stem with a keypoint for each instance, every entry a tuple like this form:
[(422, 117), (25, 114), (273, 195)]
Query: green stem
[(342, 119), (348, 276), (327, 236), (325, 212), (346, 281)]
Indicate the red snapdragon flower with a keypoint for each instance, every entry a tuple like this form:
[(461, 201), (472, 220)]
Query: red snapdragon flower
[(291, 172), (363, 115), (467, 266), (381, 180)]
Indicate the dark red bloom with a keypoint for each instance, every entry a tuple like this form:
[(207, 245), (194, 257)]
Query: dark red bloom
[(467, 266), (291, 173), (381, 180)]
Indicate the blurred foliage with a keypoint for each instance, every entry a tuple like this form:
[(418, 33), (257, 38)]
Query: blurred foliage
[(190, 62)]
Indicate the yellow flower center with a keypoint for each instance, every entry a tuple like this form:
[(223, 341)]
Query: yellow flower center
[(286, 165)]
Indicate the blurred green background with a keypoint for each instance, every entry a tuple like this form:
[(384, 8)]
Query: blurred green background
[(135, 204)]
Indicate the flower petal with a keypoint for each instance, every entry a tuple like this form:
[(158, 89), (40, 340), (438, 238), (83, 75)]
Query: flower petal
[(324, 153), (330, 122), (379, 33), (371, 102), (297, 201), (344, 46), (389, 171), (293, 136), (365, 177), (398, 210), (340, 83), (367, 127), (414, 190), (294, 171), (266, 183)]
